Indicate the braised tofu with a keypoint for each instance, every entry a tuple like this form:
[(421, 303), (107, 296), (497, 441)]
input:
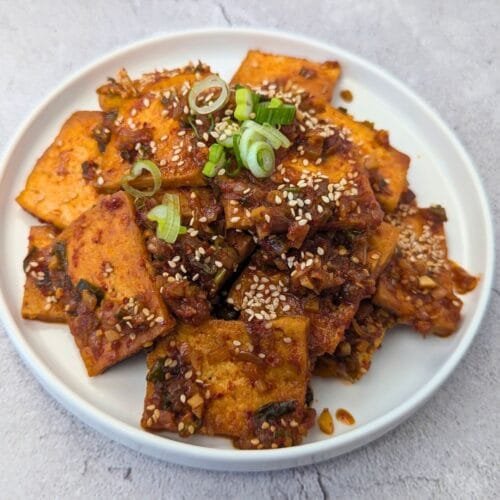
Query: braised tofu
[(154, 122), (353, 356), (227, 378), (299, 200), (62, 183), (120, 90), (325, 280), (116, 308), (191, 271), (268, 71), (387, 167), (41, 299), (417, 285)]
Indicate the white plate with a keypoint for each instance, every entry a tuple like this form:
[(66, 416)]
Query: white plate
[(405, 372)]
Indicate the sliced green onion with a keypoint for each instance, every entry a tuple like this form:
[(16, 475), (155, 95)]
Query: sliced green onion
[(168, 218), (271, 134), (244, 104), (211, 82), (275, 103), (260, 159), (233, 169), (216, 160), (236, 149), (270, 112), (135, 172), (226, 130), (248, 137)]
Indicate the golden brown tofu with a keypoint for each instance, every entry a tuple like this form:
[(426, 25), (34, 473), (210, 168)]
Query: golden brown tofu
[(115, 309), (40, 300), (382, 243), (353, 356), (154, 123), (231, 379), (325, 280), (118, 91), (387, 167), (61, 186), (260, 69), (417, 285)]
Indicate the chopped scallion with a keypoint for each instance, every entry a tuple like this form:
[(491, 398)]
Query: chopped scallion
[(275, 113), (244, 104), (168, 218), (135, 172)]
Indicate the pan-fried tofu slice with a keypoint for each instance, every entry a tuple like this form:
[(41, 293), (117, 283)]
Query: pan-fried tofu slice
[(116, 309), (417, 285), (387, 167), (40, 299), (260, 69), (300, 199), (61, 186), (353, 356), (155, 124), (325, 281), (231, 379), (120, 90)]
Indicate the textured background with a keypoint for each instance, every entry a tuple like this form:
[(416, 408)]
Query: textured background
[(448, 52)]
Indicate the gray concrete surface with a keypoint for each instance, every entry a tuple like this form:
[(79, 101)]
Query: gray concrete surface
[(449, 53)]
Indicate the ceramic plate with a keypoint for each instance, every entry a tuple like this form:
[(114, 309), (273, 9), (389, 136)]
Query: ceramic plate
[(406, 370)]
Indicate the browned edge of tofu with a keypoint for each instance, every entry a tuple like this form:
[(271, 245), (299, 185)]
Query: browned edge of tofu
[(39, 299), (353, 356), (318, 79)]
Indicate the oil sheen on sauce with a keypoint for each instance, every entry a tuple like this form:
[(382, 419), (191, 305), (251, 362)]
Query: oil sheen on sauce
[(344, 416)]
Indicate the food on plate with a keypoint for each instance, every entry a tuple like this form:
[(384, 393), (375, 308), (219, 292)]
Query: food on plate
[(247, 381), (288, 73), (246, 235), (418, 285), (41, 297), (62, 184), (114, 307)]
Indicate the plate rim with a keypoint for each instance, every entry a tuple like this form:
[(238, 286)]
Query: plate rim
[(250, 460)]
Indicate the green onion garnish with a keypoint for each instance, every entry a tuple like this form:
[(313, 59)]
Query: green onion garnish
[(271, 134), (216, 160), (245, 101), (211, 82), (275, 103), (168, 218), (260, 159), (236, 149), (135, 172), (275, 112), (226, 129)]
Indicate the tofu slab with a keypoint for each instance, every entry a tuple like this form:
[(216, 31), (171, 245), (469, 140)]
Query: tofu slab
[(324, 281), (260, 68), (116, 309), (152, 121), (40, 298), (353, 356), (417, 286), (227, 378), (57, 191), (386, 166)]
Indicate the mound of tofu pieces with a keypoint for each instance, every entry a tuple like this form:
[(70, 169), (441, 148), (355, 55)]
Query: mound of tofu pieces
[(273, 281)]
